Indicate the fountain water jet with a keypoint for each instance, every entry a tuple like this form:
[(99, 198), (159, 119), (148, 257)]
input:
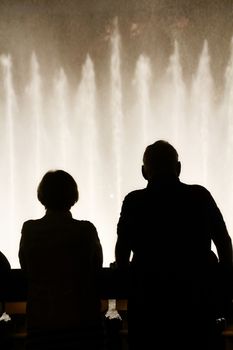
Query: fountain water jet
[(10, 112), (177, 96), (61, 116), (117, 113), (202, 99), (142, 82), (85, 106), (35, 107)]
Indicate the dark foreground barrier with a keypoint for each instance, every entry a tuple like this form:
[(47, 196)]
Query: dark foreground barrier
[(114, 292), (113, 285)]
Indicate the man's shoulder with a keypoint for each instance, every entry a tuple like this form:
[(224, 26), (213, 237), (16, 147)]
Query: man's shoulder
[(135, 194), (196, 188), (197, 192), (135, 199), (190, 190)]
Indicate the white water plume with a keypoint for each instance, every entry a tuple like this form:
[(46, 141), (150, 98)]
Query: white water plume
[(202, 104), (142, 82), (10, 112), (176, 98), (85, 106), (34, 104), (117, 112), (61, 115)]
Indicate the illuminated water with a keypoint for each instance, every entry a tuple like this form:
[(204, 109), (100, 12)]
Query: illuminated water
[(52, 125)]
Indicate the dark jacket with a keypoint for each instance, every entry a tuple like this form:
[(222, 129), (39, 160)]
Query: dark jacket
[(170, 227), (61, 257)]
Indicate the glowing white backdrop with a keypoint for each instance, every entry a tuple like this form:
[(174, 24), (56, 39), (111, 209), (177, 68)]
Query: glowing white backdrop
[(51, 125)]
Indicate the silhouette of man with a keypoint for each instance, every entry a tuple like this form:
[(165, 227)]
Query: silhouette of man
[(169, 227)]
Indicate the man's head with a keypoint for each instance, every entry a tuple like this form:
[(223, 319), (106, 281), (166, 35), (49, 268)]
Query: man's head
[(160, 160)]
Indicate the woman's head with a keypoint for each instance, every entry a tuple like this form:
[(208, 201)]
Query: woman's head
[(57, 190)]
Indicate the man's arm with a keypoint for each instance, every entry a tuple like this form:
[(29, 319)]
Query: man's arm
[(21, 249), (123, 246), (220, 236), (223, 244)]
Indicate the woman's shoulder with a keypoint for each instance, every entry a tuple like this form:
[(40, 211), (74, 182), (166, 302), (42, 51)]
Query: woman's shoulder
[(31, 222), (84, 224), (4, 263)]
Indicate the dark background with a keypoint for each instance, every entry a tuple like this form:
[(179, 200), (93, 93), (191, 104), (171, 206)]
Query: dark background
[(61, 33)]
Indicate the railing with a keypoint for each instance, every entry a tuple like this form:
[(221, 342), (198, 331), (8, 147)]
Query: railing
[(113, 284), (114, 292), (113, 287)]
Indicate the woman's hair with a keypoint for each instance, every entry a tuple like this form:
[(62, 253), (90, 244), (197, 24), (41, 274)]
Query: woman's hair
[(57, 190)]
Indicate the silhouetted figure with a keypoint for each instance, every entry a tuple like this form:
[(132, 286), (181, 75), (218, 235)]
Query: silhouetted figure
[(5, 269), (62, 258), (169, 227)]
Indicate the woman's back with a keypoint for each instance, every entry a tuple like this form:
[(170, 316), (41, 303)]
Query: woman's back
[(62, 258)]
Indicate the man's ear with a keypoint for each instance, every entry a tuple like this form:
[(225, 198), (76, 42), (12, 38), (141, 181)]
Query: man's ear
[(178, 168), (144, 173)]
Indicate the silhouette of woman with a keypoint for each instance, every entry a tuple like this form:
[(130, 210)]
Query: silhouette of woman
[(62, 258)]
